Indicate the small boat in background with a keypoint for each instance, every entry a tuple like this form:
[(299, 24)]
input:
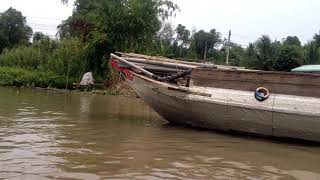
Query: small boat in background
[(276, 104), (307, 69)]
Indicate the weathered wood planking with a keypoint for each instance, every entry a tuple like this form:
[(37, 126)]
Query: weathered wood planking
[(232, 110), (300, 84)]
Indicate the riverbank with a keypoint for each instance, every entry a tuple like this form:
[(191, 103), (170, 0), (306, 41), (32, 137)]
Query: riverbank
[(18, 77), (118, 89)]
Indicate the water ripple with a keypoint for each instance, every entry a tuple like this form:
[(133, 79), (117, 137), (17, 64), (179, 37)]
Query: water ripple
[(46, 135)]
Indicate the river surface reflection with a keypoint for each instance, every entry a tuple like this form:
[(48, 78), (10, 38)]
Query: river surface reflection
[(50, 135)]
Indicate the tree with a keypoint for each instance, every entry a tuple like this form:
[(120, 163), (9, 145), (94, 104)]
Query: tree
[(183, 34), (123, 25), (265, 50), (165, 40), (4, 41), (206, 41), (237, 55), (287, 57), (38, 36), (316, 39), (312, 53), (250, 56), (292, 40), (13, 29), (166, 34), (126, 24), (183, 38)]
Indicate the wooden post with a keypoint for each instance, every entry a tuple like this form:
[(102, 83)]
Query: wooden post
[(68, 72), (228, 48), (205, 50)]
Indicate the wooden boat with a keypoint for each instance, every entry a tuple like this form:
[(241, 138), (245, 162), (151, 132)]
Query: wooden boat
[(226, 98)]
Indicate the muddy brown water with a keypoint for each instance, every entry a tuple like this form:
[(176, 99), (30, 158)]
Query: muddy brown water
[(52, 135)]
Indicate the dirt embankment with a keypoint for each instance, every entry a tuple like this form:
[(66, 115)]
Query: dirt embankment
[(118, 89)]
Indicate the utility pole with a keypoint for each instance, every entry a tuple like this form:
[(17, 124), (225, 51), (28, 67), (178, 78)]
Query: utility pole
[(228, 48)]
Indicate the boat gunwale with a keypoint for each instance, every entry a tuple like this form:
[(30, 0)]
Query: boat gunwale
[(262, 72)]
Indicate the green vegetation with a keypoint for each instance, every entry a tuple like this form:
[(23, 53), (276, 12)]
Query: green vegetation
[(19, 77), (99, 27), (13, 29), (49, 56), (263, 54)]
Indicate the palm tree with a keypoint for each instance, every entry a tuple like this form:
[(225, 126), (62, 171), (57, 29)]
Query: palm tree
[(265, 51)]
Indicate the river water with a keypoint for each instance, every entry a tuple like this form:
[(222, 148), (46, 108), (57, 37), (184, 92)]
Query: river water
[(53, 135)]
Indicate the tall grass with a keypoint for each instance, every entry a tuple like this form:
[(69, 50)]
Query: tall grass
[(48, 55), (44, 64), (13, 76)]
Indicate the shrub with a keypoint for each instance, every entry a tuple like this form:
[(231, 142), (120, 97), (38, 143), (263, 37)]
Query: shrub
[(48, 55), (19, 77), (287, 58)]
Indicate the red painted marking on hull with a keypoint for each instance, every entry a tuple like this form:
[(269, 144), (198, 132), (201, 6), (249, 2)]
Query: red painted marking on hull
[(128, 73)]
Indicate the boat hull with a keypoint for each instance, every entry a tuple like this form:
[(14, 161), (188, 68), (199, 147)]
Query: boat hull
[(232, 110)]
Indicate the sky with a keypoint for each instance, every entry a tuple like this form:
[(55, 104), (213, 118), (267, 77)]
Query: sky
[(42, 15), (247, 19)]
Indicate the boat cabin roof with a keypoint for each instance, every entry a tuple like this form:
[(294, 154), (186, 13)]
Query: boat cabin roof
[(308, 69)]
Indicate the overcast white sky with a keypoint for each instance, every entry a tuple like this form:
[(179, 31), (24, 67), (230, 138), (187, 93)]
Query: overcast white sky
[(42, 15), (248, 19)]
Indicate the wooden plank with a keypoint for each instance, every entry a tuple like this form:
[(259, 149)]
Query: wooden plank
[(277, 82)]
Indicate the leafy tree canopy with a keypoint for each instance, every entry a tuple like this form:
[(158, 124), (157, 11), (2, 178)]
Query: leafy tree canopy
[(38, 36), (183, 35), (265, 50), (206, 41), (13, 29), (292, 40), (108, 25), (124, 24), (287, 57)]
